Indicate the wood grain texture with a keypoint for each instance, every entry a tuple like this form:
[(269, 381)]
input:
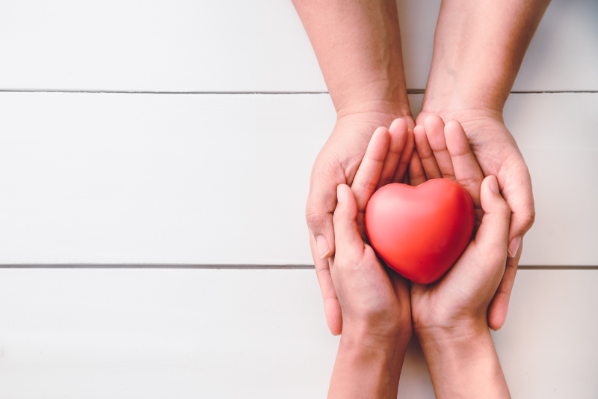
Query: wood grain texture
[(242, 45), (252, 334), (223, 179)]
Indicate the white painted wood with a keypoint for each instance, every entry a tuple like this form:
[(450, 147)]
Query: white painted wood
[(157, 178), (222, 179), (258, 45), (559, 141), (155, 333)]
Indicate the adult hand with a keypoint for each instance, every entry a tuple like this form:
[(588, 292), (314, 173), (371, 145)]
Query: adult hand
[(497, 154), (337, 163), (450, 315)]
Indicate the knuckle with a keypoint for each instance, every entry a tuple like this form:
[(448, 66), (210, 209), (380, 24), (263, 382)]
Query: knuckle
[(525, 221), (367, 185), (315, 217), (471, 181)]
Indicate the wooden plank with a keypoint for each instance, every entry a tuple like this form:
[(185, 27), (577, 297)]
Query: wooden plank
[(258, 45), (155, 333), (222, 179)]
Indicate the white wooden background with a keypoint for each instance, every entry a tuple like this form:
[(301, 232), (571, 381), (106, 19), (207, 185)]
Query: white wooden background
[(177, 137)]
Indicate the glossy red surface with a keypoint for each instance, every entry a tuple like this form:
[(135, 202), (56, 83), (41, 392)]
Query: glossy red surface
[(420, 231)]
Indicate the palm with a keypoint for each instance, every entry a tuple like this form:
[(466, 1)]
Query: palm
[(337, 163), (497, 154), (381, 165), (452, 296)]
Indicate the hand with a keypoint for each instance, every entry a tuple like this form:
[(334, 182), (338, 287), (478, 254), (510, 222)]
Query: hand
[(497, 154), (450, 316), (374, 300), (336, 164)]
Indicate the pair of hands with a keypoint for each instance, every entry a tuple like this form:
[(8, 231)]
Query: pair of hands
[(375, 299), (338, 163), (380, 309)]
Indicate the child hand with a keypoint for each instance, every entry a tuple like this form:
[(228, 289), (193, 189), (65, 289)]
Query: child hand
[(465, 292), (450, 315), (444, 151), (387, 155), (374, 300)]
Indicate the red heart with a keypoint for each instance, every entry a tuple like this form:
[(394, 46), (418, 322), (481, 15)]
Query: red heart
[(420, 231)]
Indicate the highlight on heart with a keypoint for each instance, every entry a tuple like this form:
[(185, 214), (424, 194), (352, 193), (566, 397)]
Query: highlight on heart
[(420, 232)]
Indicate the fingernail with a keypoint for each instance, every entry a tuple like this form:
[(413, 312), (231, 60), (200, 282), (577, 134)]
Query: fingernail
[(322, 245), (494, 187), (340, 194), (514, 246)]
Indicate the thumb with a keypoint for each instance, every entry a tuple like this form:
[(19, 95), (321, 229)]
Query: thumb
[(492, 236), (348, 240)]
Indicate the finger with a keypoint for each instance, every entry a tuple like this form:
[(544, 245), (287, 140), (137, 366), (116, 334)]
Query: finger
[(349, 244), (368, 174), (425, 153), (494, 229), (434, 127), (320, 206), (497, 311), (332, 307), (398, 137), (416, 171), (401, 172), (467, 170), (520, 198)]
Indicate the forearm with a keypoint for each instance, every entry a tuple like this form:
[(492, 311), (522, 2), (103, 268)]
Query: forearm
[(464, 365), (478, 49), (366, 368), (358, 46)]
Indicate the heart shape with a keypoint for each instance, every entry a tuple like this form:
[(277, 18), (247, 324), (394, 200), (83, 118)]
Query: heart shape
[(420, 231)]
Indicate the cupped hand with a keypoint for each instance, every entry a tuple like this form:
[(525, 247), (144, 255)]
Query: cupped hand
[(374, 299), (497, 154), (460, 300), (337, 163)]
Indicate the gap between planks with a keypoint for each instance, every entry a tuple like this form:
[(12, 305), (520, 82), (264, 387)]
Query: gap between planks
[(227, 266), (409, 91)]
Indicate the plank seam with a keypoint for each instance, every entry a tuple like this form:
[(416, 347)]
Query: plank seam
[(223, 266), (409, 91)]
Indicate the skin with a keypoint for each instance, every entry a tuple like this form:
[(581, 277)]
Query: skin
[(374, 299), (449, 316), (358, 46), (478, 49)]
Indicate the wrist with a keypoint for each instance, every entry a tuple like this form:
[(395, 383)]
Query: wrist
[(383, 107), (463, 362), (388, 340), (448, 335), (367, 366), (366, 118), (446, 91)]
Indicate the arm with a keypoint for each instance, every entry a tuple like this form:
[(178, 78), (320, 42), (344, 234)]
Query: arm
[(464, 364), (478, 49), (450, 315), (367, 367), (358, 46), (374, 300)]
